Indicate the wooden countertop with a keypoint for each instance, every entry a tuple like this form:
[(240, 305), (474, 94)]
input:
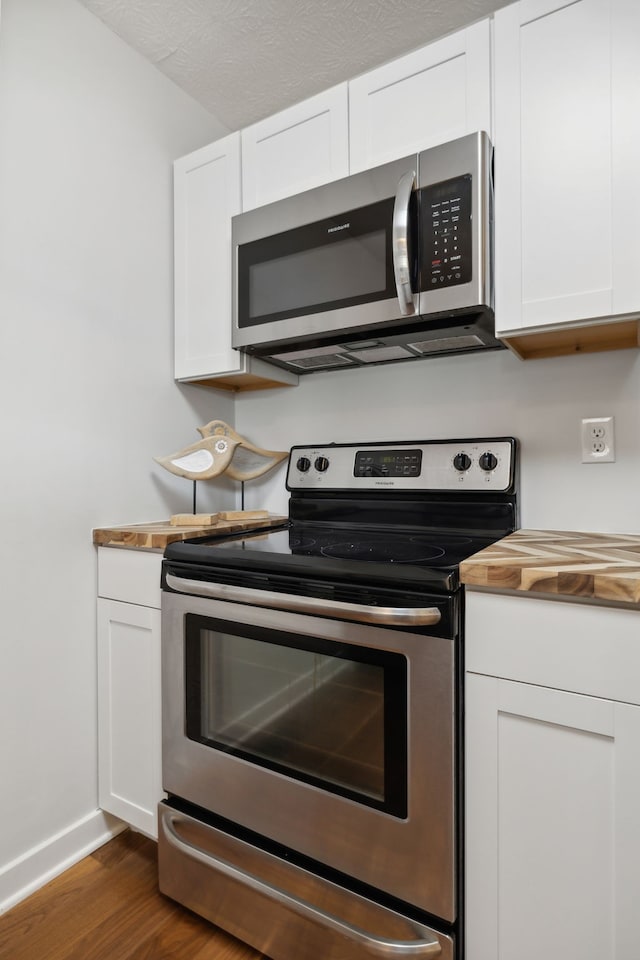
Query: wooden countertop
[(156, 535), (596, 566)]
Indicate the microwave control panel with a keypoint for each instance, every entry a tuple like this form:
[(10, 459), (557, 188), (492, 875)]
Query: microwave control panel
[(446, 233)]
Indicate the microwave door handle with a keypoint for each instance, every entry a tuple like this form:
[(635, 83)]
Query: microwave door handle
[(313, 606), (400, 242)]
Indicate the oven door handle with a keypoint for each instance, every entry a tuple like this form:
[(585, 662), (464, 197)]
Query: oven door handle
[(424, 948), (338, 609)]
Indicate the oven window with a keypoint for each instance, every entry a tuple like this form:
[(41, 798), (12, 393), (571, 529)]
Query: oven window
[(330, 714)]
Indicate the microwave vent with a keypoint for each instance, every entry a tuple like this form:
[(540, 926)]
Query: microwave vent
[(447, 344), (381, 354), (321, 362)]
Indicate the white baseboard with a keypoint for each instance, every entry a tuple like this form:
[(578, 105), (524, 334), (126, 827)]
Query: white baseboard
[(26, 874)]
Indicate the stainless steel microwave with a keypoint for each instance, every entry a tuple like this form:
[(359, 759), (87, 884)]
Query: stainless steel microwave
[(395, 263)]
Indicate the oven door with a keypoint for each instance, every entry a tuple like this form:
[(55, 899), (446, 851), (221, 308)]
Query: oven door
[(336, 739)]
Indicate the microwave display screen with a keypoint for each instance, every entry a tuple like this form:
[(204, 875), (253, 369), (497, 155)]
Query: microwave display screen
[(337, 262)]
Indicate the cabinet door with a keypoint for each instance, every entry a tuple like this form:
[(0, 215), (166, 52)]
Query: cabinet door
[(297, 149), (438, 93), (206, 196), (552, 832), (625, 151), (129, 716), (566, 135)]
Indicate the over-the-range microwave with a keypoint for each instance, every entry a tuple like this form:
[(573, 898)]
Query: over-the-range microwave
[(394, 263)]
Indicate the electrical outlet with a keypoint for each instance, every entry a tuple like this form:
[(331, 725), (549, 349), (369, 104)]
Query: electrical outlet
[(598, 444)]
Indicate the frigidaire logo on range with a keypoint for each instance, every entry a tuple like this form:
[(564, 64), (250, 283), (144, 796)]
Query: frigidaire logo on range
[(385, 483), (343, 226)]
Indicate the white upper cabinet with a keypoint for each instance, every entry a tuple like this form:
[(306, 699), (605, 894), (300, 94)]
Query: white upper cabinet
[(296, 149), (567, 136), (207, 195), (436, 94)]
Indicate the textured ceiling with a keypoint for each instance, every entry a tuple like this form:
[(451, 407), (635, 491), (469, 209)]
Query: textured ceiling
[(245, 59)]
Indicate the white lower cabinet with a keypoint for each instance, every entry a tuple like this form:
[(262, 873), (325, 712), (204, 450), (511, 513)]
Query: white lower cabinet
[(552, 785), (129, 708)]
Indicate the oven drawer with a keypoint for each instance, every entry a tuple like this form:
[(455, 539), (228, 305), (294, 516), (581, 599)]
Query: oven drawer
[(276, 906)]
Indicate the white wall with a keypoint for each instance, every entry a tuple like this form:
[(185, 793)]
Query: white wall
[(88, 131), (541, 402)]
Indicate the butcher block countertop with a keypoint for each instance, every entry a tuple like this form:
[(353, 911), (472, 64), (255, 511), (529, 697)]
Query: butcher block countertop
[(592, 566), (156, 535)]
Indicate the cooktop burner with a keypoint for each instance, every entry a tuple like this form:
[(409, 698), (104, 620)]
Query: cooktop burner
[(381, 551), (343, 543)]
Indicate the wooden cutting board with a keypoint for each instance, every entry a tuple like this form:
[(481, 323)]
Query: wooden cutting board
[(156, 535)]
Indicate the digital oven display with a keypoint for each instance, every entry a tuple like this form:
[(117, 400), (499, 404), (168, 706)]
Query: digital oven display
[(391, 463)]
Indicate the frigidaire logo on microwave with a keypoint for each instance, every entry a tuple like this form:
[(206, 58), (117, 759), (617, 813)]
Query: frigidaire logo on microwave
[(343, 226)]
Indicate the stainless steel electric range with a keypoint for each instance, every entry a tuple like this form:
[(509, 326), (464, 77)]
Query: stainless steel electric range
[(313, 704)]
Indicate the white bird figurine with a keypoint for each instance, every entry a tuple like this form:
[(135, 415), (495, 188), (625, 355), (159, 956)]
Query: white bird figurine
[(247, 461), (221, 450), (203, 460)]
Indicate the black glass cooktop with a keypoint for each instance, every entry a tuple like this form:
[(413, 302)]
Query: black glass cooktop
[(338, 550), (343, 543)]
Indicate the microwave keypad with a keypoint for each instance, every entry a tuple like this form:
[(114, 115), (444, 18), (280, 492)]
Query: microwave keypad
[(447, 238)]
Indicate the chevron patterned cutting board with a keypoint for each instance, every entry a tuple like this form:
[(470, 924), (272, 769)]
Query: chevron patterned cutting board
[(594, 565)]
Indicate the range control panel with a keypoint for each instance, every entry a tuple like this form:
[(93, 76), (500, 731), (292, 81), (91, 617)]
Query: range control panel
[(484, 464)]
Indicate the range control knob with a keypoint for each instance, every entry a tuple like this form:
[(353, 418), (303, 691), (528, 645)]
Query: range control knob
[(303, 464), (321, 464), (462, 461), (488, 461)]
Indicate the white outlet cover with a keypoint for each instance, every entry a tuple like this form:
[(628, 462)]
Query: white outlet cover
[(598, 442)]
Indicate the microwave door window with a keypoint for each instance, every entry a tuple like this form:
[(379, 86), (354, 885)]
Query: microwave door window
[(348, 269), (319, 267)]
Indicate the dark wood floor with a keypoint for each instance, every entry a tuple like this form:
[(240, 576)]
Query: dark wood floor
[(107, 907)]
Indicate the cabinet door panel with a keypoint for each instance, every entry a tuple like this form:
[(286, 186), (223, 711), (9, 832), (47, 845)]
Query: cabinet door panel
[(129, 714), (556, 813), (554, 246), (296, 149), (436, 94), (551, 782), (206, 196), (627, 840), (130, 575), (626, 151)]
